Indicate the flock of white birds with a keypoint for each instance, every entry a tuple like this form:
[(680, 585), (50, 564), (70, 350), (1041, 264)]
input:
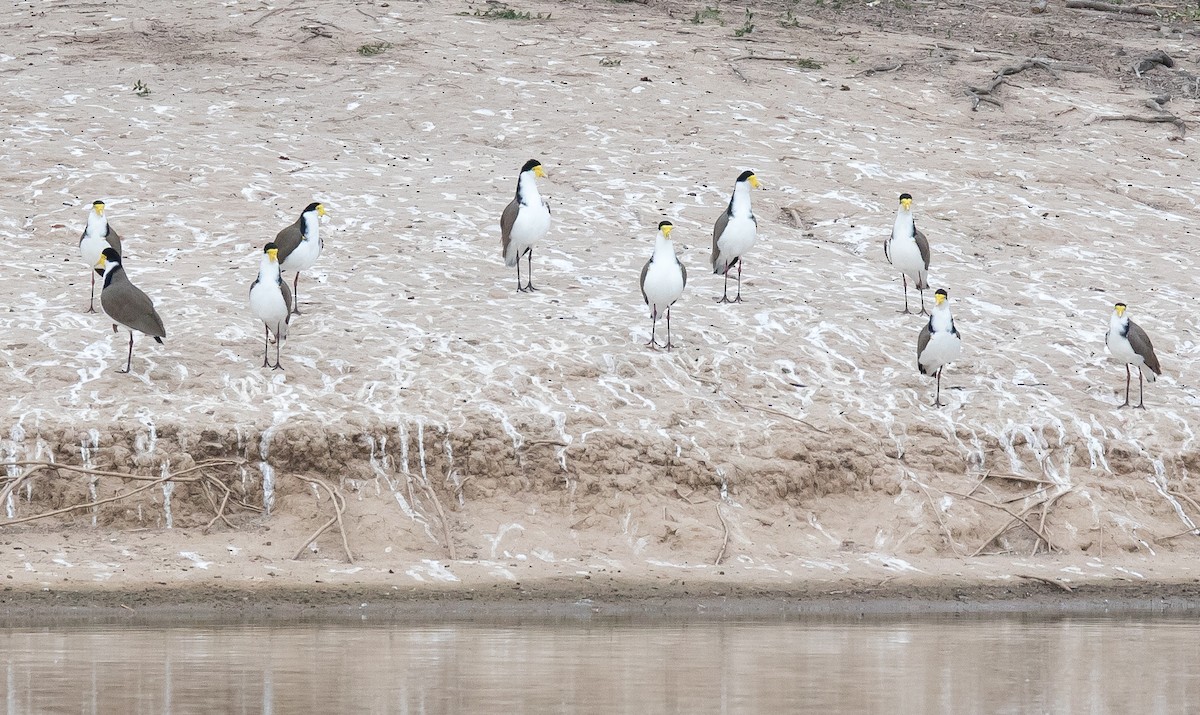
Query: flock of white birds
[(524, 222)]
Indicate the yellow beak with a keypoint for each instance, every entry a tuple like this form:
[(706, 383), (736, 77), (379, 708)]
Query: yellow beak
[(273, 253), (100, 209), (1120, 311), (754, 182), (667, 231), (539, 172), (320, 209), (102, 262), (906, 204)]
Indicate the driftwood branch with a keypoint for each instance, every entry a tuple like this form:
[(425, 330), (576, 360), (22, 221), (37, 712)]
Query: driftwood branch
[(1110, 7), (1156, 119), (1045, 580), (984, 93)]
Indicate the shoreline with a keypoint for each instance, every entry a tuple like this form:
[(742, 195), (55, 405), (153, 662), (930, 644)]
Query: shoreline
[(561, 600)]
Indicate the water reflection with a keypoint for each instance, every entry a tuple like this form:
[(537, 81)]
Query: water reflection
[(933, 665)]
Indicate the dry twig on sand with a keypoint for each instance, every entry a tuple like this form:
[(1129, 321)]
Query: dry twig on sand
[(1017, 518), (725, 538), (339, 507)]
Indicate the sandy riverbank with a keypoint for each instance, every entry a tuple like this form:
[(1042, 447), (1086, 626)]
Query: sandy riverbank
[(478, 439)]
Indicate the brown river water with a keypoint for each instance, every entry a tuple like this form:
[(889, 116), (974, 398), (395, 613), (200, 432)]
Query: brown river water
[(880, 665)]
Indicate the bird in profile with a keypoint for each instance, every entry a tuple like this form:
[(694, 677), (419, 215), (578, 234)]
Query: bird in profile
[(96, 237), (270, 301), (908, 250), (734, 233), (663, 279), (300, 245), (125, 304), (939, 342), (525, 220), (1129, 344)]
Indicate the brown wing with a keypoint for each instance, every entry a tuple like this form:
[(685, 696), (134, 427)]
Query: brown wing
[(887, 249), (287, 298), (115, 241), (642, 281), (922, 244), (922, 341), (682, 270), (288, 239), (718, 229), (125, 303), (507, 219), (1141, 345)]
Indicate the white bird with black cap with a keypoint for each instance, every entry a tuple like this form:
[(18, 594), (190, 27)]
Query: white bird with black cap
[(734, 233), (1130, 345), (524, 222), (939, 342), (908, 250), (300, 245), (125, 304), (97, 236), (662, 280)]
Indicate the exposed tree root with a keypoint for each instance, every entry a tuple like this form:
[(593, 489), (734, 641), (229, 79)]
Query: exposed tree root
[(339, 508), (206, 481), (985, 93)]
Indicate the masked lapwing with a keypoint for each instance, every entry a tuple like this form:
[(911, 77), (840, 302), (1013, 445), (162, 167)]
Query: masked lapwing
[(96, 237), (125, 304), (1129, 344), (525, 221), (270, 301), (734, 233), (908, 250), (300, 245), (663, 279), (939, 343)]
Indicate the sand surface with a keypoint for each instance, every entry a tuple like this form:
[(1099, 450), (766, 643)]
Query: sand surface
[(482, 439)]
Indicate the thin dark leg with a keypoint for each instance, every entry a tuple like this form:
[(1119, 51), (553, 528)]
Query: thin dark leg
[(529, 270), (725, 293), (923, 311), (653, 326), (92, 297), (738, 299), (129, 359), (1126, 386), (669, 345), (1141, 394), (278, 340), (266, 341), (904, 278), (937, 400), (520, 288), (296, 294)]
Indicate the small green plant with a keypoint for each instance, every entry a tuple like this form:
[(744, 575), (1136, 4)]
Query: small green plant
[(853, 59), (708, 13), (374, 48), (609, 62), (140, 88), (747, 25), (500, 11), (807, 63), (790, 19)]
